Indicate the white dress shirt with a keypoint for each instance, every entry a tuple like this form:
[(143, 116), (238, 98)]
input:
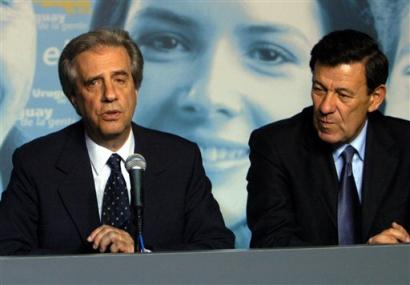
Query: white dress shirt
[(99, 156)]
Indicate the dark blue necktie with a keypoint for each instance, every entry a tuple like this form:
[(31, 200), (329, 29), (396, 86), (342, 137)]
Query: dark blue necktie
[(348, 208), (116, 205)]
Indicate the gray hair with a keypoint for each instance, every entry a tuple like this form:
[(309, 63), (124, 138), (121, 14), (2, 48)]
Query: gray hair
[(92, 39)]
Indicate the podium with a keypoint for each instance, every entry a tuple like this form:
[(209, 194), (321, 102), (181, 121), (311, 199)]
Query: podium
[(320, 265)]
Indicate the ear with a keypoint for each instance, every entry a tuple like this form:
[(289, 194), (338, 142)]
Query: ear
[(377, 98), (73, 102)]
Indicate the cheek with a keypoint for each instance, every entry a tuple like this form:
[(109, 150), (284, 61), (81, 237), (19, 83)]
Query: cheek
[(277, 97), (132, 101), (87, 106), (353, 119), (162, 82)]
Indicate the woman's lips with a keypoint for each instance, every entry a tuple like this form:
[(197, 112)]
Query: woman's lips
[(222, 157)]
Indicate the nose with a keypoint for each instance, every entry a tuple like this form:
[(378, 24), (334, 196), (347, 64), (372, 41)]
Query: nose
[(328, 103), (212, 90), (109, 92)]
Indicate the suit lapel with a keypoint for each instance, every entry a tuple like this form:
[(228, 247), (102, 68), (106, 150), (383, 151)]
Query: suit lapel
[(381, 160), (77, 190), (322, 171), (324, 178), (147, 147)]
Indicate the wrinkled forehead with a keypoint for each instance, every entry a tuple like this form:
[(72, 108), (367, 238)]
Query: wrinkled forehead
[(303, 16)]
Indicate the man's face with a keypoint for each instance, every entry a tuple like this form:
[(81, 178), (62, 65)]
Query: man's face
[(341, 101), (216, 70), (106, 95), (17, 60)]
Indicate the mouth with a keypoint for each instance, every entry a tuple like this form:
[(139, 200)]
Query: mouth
[(111, 115), (217, 158), (324, 123)]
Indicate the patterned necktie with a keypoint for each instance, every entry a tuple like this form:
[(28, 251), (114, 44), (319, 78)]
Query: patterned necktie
[(348, 208), (116, 205)]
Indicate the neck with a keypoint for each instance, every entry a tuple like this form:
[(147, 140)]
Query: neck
[(112, 142)]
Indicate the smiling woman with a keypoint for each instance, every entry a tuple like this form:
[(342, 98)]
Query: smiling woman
[(213, 78)]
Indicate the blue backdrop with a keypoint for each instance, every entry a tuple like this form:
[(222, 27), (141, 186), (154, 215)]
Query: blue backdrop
[(215, 70)]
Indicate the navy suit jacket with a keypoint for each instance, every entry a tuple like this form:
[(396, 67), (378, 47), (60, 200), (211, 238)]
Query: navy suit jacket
[(50, 205), (293, 184)]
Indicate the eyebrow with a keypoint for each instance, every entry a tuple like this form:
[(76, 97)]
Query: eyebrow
[(165, 15), (271, 29), (119, 72), (336, 89), (100, 76)]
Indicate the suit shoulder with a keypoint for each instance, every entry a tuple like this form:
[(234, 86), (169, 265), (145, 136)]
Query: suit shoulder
[(49, 143), (398, 122), (396, 127), (162, 138), (164, 150), (286, 128)]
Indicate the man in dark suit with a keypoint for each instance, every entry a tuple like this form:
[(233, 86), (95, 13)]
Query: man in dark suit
[(64, 188), (294, 193)]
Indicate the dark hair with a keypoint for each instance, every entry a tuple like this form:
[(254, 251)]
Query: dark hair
[(110, 13), (349, 46), (93, 39)]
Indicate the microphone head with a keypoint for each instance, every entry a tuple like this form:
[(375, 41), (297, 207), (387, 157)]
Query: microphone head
[(135, 161)]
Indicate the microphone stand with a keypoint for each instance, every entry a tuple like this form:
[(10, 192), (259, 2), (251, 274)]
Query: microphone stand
[(138, 222), (137, 210)]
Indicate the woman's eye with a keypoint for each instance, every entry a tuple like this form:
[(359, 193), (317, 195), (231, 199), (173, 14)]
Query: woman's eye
[(269, 59), (164, 46), (270, 54), (164, 43), (266, 55)]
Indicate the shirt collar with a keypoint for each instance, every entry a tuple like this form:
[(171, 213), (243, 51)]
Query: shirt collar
[(359, 143), (99, 155)]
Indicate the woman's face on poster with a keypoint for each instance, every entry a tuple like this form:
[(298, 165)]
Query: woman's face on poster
[(398, 100), (17, 60), (214, 71)]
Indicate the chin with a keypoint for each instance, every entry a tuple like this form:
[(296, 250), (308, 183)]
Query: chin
[(112, 133), (329, 138), (113, 129)]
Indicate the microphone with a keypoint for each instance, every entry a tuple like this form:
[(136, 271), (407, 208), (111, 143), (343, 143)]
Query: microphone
[(135, 165)]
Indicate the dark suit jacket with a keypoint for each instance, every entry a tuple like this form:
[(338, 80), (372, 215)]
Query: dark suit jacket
[(50, 204), (293, 184)]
